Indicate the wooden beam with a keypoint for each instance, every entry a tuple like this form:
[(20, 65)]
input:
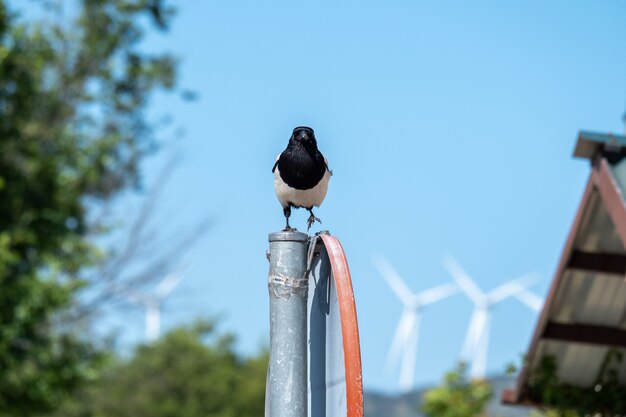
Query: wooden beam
[(612, 197), (607, 263), (585, 333)]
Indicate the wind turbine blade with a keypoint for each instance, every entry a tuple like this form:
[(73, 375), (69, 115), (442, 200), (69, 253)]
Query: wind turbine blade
[(397, 343), (135, 297), (464, 281), (511, 288), (407, 372), (437, 293), (393, 279), (168, 284), (128, 292), (532, 300)]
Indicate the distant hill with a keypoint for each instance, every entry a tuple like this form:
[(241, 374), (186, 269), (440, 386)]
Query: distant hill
[(409, 405)]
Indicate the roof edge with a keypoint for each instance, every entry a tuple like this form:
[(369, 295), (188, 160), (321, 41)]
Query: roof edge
[(588, 143)]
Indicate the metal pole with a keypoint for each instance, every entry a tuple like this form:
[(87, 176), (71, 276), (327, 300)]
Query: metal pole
[(286, 394)]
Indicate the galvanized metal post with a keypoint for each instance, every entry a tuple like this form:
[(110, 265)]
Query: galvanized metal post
[(286, 394)]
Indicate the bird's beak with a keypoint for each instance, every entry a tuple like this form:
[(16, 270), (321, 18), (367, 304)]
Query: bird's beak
[(303, 137)]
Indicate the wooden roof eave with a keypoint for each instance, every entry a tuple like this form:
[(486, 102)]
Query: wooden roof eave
[(602, 181)]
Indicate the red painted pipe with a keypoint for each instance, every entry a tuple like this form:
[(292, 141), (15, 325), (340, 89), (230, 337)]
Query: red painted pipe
[(349, 326)]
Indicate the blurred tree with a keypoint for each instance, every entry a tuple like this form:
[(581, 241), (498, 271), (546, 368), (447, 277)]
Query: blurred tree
[(458, 396), (604, 397), (73, 90), (190, 372)]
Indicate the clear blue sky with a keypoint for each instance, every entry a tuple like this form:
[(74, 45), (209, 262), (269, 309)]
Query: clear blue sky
[(449, 126)]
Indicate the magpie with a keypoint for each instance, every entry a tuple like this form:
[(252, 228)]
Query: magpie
[(301, 175)]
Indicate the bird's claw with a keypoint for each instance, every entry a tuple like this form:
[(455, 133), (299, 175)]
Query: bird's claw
[(312, 219), (290, 229)]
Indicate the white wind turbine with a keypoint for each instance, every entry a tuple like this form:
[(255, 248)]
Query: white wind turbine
[(403, 349), (477, 340), (152, 303)]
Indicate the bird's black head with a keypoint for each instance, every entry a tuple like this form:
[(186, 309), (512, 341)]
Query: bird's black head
[(304, 135)]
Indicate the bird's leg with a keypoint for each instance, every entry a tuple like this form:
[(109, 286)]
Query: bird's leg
[(287, 213), (312, 219)]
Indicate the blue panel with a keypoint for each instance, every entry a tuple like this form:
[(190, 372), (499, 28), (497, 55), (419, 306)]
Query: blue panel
[(327, 381)]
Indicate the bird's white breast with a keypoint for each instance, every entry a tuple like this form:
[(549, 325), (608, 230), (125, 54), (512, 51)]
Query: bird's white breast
[(300, 198)]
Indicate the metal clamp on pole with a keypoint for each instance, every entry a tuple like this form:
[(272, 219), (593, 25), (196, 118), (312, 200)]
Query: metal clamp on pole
[(286, 393)]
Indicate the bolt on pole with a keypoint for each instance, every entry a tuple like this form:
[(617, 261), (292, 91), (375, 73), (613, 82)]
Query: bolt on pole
[(286, 393)]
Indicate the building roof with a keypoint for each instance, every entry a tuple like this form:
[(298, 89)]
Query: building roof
[(589, 143), (584, 315)]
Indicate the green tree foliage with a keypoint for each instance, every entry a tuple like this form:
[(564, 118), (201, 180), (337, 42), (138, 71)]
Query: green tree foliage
[(458, 396), (604, 397), (73, 89), (190, 372)]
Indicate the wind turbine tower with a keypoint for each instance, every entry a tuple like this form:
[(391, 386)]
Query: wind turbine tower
[(152, 303), (477, 340), (403, 349)]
